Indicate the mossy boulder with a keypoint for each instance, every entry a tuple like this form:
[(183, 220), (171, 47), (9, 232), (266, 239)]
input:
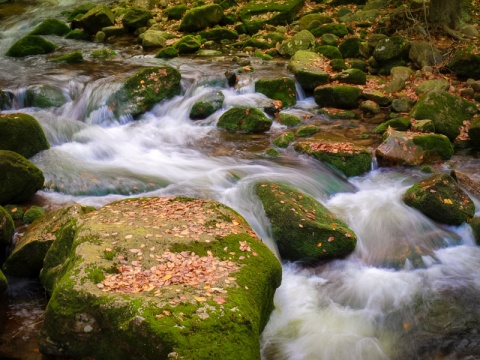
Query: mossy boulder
[(26, 259), (400, 123), (265, 41), (44, 96), (70, 58), (304, 40), (289, 120), (7, 227), (256, 13), (390, 49), (16, 212), (31, 45), (32, 214), (311, 21), (430, 85), (219, 34), (141, 91), (304, 65), (51, 27), (152, 39), (203, 287), (188, 44), (350, 47), (80, 10), (19, 178), (22, 134), (176, 12), (78, 34), (339, 30), (338, 96), (474, 133), (351, 76), (338, 65), (207, 105), (95, 19), (377, 96), (303, 229), (424, 126), (284, 140), (136, 17), (167, 53), (244, 120), (329, 39), (440, 198), (201, 17), (445, 110), (3, 283), (344, 156), (465, 65), (411, 149), (282, 89), (307, 130)]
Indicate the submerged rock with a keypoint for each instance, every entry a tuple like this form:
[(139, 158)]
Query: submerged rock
[(22, 134), (31, 45), (7, 227), (44, 96), (244, 120), (19, 178), (440, 198), (188, 278), (303, 229), (207, 105)]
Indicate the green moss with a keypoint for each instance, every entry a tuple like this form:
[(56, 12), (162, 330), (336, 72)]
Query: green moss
[(201, 17), (77, 34), (167, 53), (3, 283), (308, 75), (261, 55), (95, 275), (218, 34), (307, 130), (282, 89), (15, 211), (284, 140), (339, 30), (136, 17), (338, 64), (401, 123), (51, 27), (31, 45), (288, 119), (80, 10), (32, 214), (7, 227), (339, 96), (330, 52), (245, 120), (71, 58), (95, 19), (434, 144), (103, 53), (176, 12), (350, 48), (351, 76)]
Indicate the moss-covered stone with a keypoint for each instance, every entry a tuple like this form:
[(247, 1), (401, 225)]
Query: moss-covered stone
[(256, 13), (176, 12), (51, 27), (19, 178), (351, 76), (32, 214), (282, 89), (6, 100), (173, 314), (424, 54), (244, 120), (307, 130), (347, 158), (377, 96), (288, 119), (31, 45), (70, 58), (303, 229), (152, 39), (78, 34), (265, 41), (44, 96), (103, 53), (330, 52), (167, 53), (329, 39), (304, 40), (411, 149), (311, 21), (424, 126), (284, 140), (390, 49), (31, 248), (219, 34), (80, 10), (474, 133), (339, 30), (7, 227), (465, 65), (440, 198), (141, 91), (303, 64), (338, 96), (188, 44), (207, 105), (475, 225), (338, 65), (261, 55), (15, 211), (350, 47), (3, 283), (201, 17), (400, 123), (430, 85), (136, 17), (22, 134), (95, 19), (445, 110)]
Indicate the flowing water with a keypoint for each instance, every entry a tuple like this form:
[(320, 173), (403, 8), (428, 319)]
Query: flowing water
[(411, 289)]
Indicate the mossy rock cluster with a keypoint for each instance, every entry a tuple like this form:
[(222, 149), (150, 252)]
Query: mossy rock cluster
[(244, 120), (282, 89), (22, 134), (31, 45), (303, 229), (141, 91), (188, 44), (174, 312), (440, 198)]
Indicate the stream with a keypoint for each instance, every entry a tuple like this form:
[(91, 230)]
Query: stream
[(410, 290)]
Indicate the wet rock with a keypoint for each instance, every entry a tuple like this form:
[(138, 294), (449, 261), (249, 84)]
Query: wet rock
[(201, 17), (78, 34), (304, 40), (445, 110), (465, 65), (7, 227), (3, 283), (44, 96), (474, 133), (303, 65), (400, 123), (303, 229), (282, 89), (51, 27), (136, 17), (467, 182), (244, 120), (410, 149), (141, 91), (475, 225), (95, 19), (339, 30), (31, 45), (6, 100), (440, 198), (80, 10), (207, 105), (284, 140), (31, 248), (351, 76), (167, 53), (208, 277), (70, 58), (307, 130), (22, 134), (424, 54), (338, 96)]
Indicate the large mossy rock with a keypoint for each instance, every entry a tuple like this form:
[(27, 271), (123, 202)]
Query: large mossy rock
[(465, 65), (410, 148), (474, 133), (176, 12), (305, 65), (188, 280), (304, 40), (22, 134), (282, 89), (219, 34), (44, 96), (201, 17), (349, 159), (31, 248), (7, 227), (424, 54), (188, 44), (391, 49), (136, 17), (303, 229), (140, 92), (19, 178), (351, 76), (265, 41), (51, 27), (95, 19), (207, 105), (256, 13), (445, 110), (31, 45), (338, 96), (339, 30), (244, 120), (3, 283), (440, 198), (153, 39), (80, 10)]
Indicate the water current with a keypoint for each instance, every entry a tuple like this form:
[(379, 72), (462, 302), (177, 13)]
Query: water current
[(410, 290)]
